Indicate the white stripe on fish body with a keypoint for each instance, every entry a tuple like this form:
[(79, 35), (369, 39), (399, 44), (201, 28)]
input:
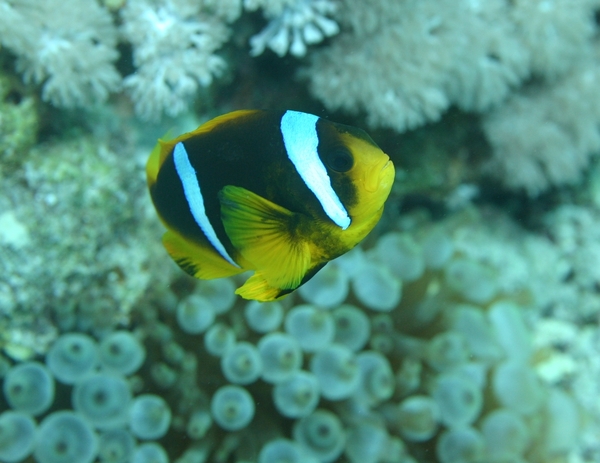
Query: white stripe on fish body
[(193, 195), (300, 138)]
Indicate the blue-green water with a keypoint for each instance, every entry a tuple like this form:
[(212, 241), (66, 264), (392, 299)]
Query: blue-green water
[(464, 328)]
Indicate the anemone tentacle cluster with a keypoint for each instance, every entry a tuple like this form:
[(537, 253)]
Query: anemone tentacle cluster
[(430, 358), (107, 419)]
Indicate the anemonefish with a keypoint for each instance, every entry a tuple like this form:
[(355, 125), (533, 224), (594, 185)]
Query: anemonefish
[(277, 192)]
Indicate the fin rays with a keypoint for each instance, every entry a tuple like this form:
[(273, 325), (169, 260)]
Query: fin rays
[(196, 260), (263, 232), (220, 223)]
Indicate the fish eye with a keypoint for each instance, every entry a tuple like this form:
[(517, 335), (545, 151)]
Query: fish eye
[(340, 160)]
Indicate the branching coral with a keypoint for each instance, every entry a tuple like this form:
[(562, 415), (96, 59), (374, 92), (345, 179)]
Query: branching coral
[(546, 135), (557, 33), (68, 46), (406, 64), (174, 48), (293, 25)]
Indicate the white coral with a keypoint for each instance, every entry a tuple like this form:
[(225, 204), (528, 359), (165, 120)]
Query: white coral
[(404, 63), (174, 45), (271, 8), (229, 10), (407, 62), (293, 26), (545, 136), (67, 45), (556, 31), (489, 59)]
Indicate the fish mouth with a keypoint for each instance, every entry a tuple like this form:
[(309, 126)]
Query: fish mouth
[(377, 175)]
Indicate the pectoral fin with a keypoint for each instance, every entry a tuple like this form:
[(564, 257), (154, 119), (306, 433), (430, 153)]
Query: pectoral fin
[(267, 236)]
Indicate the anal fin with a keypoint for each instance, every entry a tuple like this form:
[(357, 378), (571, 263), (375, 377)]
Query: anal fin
[(199, 261), (258, 289)]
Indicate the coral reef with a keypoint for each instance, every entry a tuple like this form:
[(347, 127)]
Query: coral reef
[(564, 139), (403, 64), (86, 268), (406, 64), (293, 25), (68, 46), (451, 334), (173, 51), (19, 120), (452, 370)]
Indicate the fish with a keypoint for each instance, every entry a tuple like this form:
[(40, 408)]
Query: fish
[(279, 193)]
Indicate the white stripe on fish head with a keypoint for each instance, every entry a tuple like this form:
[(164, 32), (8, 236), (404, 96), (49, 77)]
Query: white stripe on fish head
[(300, 138)]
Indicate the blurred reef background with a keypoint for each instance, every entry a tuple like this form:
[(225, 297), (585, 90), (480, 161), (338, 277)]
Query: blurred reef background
[(464, 329)]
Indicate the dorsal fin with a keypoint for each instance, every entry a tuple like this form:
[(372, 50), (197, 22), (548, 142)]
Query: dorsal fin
[(164, 147)]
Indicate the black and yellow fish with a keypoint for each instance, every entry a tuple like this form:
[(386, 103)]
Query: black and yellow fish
[(277, 192)]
